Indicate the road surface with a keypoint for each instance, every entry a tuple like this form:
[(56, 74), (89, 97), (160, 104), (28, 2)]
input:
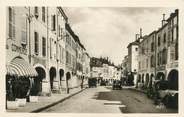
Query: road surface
[(105, 100)]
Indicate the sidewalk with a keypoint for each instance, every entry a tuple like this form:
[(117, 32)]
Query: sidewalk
[(46, 102)]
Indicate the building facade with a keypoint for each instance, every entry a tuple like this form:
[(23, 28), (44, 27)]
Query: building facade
[(132, 65), (42, 48), (158, 54)]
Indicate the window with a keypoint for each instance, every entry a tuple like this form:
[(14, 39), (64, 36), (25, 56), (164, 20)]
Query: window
[(136, 49), (176, 51), (53, 22), (159, 41), (67, 57), (55, 46), (36, 12), (164, 56), (160, 58), (43, 14), (158, 62), (59, 56), (175, 33), (43, 46), (59, 32), (11, 14), (152, 61), (23, 37), (24, 32), (36, 42), (172, 35), (152, 47), (164, 37)]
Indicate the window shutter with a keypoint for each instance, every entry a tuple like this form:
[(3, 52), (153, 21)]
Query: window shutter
[(14, 24), (36, 12), (36, 43), (53, 22), (24, 33), (43, 14), (10, 21)]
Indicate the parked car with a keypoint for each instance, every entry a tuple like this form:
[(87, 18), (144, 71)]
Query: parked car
[(116, 85), (102, 83), (165, 92), (92, 82)]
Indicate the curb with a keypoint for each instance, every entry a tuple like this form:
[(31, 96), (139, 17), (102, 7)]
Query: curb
[(54, 103)]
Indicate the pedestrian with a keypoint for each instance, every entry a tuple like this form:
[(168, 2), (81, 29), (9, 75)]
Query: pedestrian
[(82, 83)]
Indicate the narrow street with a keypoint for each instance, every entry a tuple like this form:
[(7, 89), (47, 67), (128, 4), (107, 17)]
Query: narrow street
[(105, 100)]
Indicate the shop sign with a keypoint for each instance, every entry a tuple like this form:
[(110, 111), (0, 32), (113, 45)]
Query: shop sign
[(19, 49)]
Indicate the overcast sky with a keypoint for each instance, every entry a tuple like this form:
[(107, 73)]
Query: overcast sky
[(108, 31)]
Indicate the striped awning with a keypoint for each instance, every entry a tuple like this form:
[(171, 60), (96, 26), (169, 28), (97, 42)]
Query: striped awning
[(20, 67), (9, 71)]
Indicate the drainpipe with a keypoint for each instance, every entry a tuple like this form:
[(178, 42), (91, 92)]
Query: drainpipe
[(57, 47), (29, 20), (48, 54)]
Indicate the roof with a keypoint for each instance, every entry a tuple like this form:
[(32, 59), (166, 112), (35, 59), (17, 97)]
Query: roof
[(63, 13), (76, 38), (173, 15), (133, 43)]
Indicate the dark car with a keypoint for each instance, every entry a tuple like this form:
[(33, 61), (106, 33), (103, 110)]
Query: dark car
[(102, 83), (116, 85), (92, 82)]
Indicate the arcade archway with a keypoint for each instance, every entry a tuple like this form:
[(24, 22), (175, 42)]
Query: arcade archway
[(61, 74), (68, 75), (160, 76), (52, 73), (147, 80), (38, 81), (173, 79)]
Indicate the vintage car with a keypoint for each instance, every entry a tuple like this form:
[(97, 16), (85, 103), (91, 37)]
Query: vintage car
[(166, 92), (116, 85), (102, 83), (92, 82)]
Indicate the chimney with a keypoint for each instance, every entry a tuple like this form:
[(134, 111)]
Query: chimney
[(136, 37), (163, 20), (140, 32)]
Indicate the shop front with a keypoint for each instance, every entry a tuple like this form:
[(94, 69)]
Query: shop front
[(19, 77)]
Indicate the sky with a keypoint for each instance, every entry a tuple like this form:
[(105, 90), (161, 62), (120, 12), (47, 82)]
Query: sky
[(107, 31)]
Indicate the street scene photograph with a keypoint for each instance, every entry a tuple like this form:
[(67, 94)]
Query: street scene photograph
[(92, 59)]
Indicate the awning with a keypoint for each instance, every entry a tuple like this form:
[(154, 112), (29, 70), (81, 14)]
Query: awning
[(20, 67), (9, 71)]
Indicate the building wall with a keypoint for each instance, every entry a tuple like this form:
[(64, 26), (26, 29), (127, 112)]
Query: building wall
[(163, 43), (44, 41), (15, 37), (134, 63)]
